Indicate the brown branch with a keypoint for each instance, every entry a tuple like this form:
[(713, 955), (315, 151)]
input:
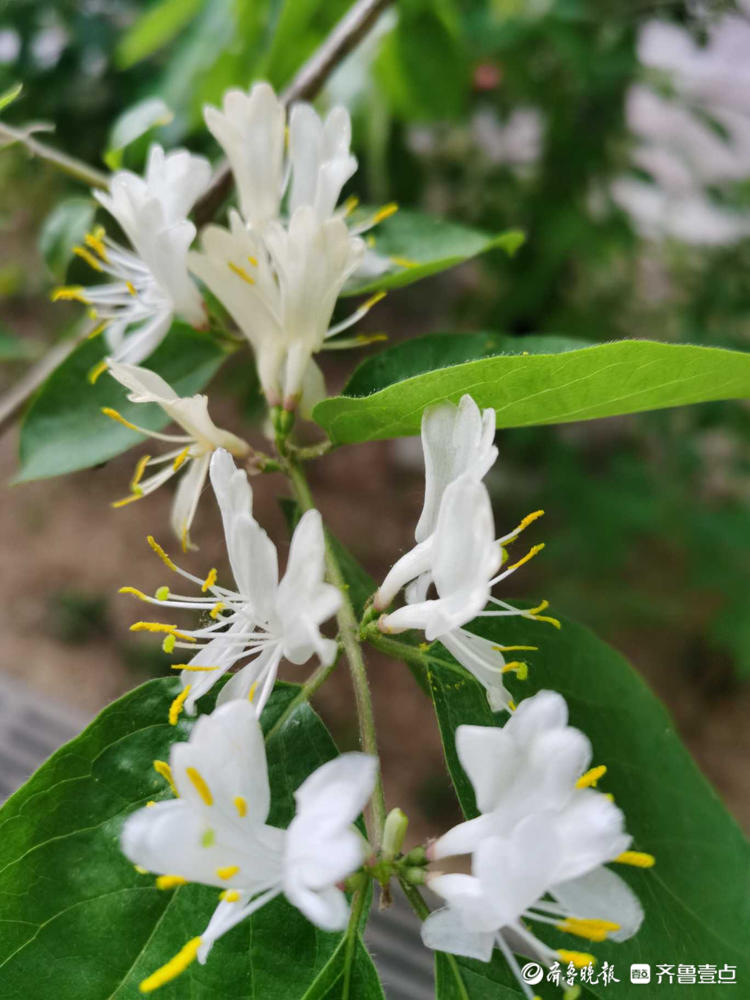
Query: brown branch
[(344, 37)]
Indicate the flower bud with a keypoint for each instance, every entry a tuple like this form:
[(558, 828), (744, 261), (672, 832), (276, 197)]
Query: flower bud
[(394, 833)]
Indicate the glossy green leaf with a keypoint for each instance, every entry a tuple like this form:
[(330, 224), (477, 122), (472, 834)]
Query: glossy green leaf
[(420, 245), (79, 923), (695, 899), (603, 380), (155, 28), (63, 229), (133, 124), (64, 428), (8, 96)]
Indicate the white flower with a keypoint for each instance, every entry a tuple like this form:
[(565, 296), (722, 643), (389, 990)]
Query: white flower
[(546, 870), (193, 449), (457, 551), (281, 290), (150, 283), (215, 832), (264, 619)]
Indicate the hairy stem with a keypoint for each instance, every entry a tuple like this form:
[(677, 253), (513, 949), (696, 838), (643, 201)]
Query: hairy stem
[(66, 164), (358, 905), (349, 637), (422, 910)]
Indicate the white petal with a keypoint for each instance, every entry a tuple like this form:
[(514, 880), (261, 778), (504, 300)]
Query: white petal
[(602, 895), (414, 564), (591, 832), (145, 386), (444, 931), (187, 497), (339, 789), (327, 908)]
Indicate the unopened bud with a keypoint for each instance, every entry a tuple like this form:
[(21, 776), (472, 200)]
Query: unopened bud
[(394, 833), (417, 856), (415, 876)]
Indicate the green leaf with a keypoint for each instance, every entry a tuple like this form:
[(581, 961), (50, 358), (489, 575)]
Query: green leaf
[(364, 983), (604, 380), (64, 428), (64, 228), (80, 924), (420, 245), (132, 124), (155, 28), (8, 96), (695, 898), (13, 348)]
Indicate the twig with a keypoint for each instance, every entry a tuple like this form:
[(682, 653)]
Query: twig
[(67, 164), (344, 37)]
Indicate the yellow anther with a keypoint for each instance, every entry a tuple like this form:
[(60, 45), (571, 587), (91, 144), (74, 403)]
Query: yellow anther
[(130, 287), (240, 805), (385, 212), (192, 668), (70, 293), (162, 594), (240, 272), (216, 609), (512, 706), (227, 872), (200, 785), (535, 614), (179, 459), (176, 707), (140, 869), (128, 499), (534, 550), (371, 338), (99, 328), (251, 692), (173, 968), (114, 415), (373, 300), (370, 240), (86, 255), (578, 958), (95, 240), (134, 592), (405, 262), (209, 581), (168, 643), (591, 929), (150, 803), (350, 204), (165, 771), (609, 795), (138, 473), (590, 778), (638, 859), (161, 627), (96, 371), (170, 881), (517, 667), (513, 649), (253, 261), (92, 313), (160, 552), (229, 896), (525, 522), (184, 536)]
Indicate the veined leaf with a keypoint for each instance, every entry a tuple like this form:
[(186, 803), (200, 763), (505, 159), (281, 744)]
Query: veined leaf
[(602, 380), (64, 428)]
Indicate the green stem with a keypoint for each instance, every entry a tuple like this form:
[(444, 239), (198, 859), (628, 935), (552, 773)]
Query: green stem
[(349, 637), (422, 910), (308, 689), (358, 905), (67, 164)]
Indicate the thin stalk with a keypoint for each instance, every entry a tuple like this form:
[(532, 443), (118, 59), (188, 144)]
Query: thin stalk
[(422, 910), (77, 169), (308, 689), (349, 638), (358, 905)]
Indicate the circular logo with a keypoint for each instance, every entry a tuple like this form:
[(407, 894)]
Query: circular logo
[(532, 973)]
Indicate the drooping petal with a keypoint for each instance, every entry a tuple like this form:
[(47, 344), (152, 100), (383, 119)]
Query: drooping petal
[(443, 930), (187, 497), (145, 386), (602, 895), (591, 829)]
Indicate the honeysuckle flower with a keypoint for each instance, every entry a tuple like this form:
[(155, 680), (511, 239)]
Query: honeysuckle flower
[(193, 448), (262, 620), (281, 289), (548, 869), (216, 832), (150, 283)]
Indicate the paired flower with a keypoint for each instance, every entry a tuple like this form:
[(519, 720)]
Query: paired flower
[(264, 619), (457, 551), (538, 848), (215, 832), (149, 284), (192, 451)]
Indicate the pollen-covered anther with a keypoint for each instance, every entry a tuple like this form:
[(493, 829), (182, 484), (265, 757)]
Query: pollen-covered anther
[(133, 592), (163, 769), (209, 581), (638, 859), (170, 881), (173, 967), (517, 667), (161, 627), (592, 928), (533, 551), (200, 785), (160, 552), (176, 707), (578, 958), (216, 610), (162, 594), (90, 259), (97, 370), (193, 668), (229, 896), (114, 415), (70, 293), (229, 872), (240, 272), (591, 777), (535, 613), (180, 458), (240, 805)]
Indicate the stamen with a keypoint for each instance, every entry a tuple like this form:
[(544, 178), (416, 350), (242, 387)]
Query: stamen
[(176, 707), (590, 778), (90, 259), (134, 592), (534, 550), (350, 204), (578, 958), (173, 968), (131, 288), (518, 667), (161, 627), (214, 612), (128, 499), (96, 371), (405, 262), (512, 649), (385, 212), (162, 768), (229, 896), (534, 613), (590, 928), (512, 706), (70, 293), (251, 692), (227, 872), (525, 522), (240, 272), (638, 859), (199, 782), (99, 328), (373, 300), (179, 459), (114, 415), (168, 644), (252, 260), (193, 669), (95, 240), (170, 881), (240, 805), (209, 581), (160, 552), (138, 474), (162, 594)]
